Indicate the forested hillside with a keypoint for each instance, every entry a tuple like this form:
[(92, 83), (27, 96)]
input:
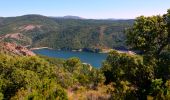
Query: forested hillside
[(64, 33)]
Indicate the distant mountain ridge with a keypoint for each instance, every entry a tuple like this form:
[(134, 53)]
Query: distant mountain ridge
[(69, 32), (72, 17), (67, 17)]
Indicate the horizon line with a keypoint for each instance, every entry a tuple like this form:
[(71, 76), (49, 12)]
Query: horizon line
[(78, 17)]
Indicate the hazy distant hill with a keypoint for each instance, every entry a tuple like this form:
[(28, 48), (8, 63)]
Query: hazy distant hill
[(69, 32), (72, 17), (1, 19), (68, 17)]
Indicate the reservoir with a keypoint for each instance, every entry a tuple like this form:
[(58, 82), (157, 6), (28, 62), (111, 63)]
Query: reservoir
[(95, 59)]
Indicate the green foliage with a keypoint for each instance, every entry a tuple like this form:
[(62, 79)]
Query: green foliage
[(54, 61), (73, 64), (48, 90), (131, 68), (149, 34), (142, 76), (1, 96), (160, 90), (43, 78), (163, 69), (29, 77), (156, 86), (84, 74), (124, 66)]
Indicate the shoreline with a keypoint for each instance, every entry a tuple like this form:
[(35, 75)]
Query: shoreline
[(80, 50), (40, 48)]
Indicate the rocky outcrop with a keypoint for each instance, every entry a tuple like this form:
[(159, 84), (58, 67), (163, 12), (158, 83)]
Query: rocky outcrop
[(14, 36), (29, 27), (15, 49)]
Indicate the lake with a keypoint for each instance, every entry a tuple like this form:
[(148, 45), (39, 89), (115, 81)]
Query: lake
[(95, 59)]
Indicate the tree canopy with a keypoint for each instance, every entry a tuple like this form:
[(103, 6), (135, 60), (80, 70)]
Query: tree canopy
[(150, 34), (143, 76)]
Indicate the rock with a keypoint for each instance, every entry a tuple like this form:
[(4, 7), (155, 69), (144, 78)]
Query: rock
[(15, 49), (29, 27), (14, 36)]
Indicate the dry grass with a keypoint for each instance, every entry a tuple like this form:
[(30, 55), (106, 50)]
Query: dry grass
[(82, 93)]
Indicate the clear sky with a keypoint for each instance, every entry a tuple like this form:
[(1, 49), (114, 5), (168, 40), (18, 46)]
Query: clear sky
[(85, 8)]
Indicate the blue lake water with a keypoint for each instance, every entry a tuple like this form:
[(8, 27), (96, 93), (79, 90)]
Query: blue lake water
[(95, 59)]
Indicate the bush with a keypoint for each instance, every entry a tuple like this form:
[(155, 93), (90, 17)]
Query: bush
[(29, 78)]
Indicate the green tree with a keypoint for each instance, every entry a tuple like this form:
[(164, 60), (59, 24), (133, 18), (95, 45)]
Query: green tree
[(149, 34), (73, 64), (131, 68), (163, 69), (29, 78)]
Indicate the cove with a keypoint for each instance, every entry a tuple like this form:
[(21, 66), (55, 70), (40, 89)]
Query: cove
[(95, 59)]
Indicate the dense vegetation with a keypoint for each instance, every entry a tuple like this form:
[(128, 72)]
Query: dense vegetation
[(42, 78), (122, 76), (142, 76), (65, 33)]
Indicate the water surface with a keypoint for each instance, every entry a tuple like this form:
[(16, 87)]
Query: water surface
[(95, 59)]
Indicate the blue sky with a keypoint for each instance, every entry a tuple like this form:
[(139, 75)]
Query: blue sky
[(85, 8)]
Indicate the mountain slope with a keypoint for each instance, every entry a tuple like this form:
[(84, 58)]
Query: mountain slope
[(64, 33), (14, 49)]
